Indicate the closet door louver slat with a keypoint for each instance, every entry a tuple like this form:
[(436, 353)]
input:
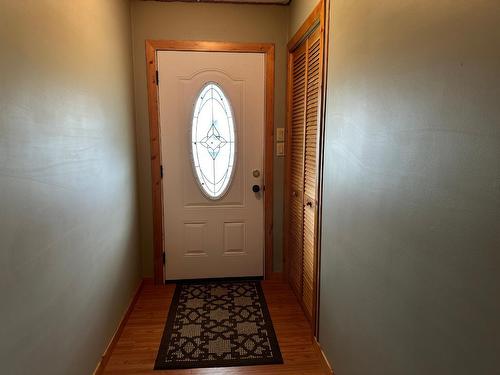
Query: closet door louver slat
[(310, 169), (304, 98), (298, 105)]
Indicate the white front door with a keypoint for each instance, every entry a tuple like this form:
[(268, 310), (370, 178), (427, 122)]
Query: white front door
[(212, 114)]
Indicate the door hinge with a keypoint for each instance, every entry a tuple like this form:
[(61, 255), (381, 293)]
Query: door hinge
[(161, 171), (163, 257), (157, 78)]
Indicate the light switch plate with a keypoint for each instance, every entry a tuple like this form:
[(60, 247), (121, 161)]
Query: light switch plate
[(280, 134), (280, 149)]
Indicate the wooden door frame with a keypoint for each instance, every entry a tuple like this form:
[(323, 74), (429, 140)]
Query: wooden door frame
[(152, 47), (314, 20)]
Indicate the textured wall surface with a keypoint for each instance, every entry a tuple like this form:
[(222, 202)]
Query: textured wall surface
[(299, 11), (411, 229), (220, 22), (69, 258)]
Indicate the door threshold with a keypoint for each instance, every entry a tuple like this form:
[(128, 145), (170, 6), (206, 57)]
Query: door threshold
[(215, 279)]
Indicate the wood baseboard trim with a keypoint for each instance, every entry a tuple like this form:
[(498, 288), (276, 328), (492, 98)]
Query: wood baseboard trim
[(109, 349), (324, 362)]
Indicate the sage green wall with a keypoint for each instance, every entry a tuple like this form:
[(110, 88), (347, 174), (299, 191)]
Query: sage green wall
[(202, 21), (411, 216), (299, 11), (69, 258)]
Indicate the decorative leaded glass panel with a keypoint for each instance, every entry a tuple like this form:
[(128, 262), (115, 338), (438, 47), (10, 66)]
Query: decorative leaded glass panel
[(213, 141)]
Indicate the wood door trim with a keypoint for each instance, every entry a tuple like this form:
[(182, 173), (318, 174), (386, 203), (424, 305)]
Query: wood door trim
[(326, 24), (152, 47), (316, 17), (314, 20), (319, 173)]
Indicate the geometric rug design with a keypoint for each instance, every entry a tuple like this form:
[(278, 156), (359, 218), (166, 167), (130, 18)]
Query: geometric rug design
[(218, 323)]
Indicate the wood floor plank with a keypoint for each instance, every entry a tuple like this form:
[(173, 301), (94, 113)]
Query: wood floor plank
[(136, 350)]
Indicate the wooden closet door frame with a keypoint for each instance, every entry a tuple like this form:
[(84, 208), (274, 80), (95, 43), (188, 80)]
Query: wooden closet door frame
[(152, 47), (315, 20)]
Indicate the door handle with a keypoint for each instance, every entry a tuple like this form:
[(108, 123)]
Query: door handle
[(255, 188)]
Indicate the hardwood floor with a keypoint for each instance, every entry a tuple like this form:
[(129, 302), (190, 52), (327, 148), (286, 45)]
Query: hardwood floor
[(137, 346)]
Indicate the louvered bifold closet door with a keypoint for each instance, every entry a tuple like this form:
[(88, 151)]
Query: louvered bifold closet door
[(296, 171), (313, 82)]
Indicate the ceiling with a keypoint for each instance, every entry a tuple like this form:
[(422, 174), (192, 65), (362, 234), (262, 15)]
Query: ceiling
[(279, 2)]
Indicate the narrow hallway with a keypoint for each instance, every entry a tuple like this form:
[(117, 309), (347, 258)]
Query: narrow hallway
[(158, 158)]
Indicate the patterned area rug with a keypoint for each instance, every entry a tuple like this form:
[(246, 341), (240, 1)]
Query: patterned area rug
[(218, 324)]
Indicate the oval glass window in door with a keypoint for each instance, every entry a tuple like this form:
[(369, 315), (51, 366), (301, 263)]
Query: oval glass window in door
[(213, 141)]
